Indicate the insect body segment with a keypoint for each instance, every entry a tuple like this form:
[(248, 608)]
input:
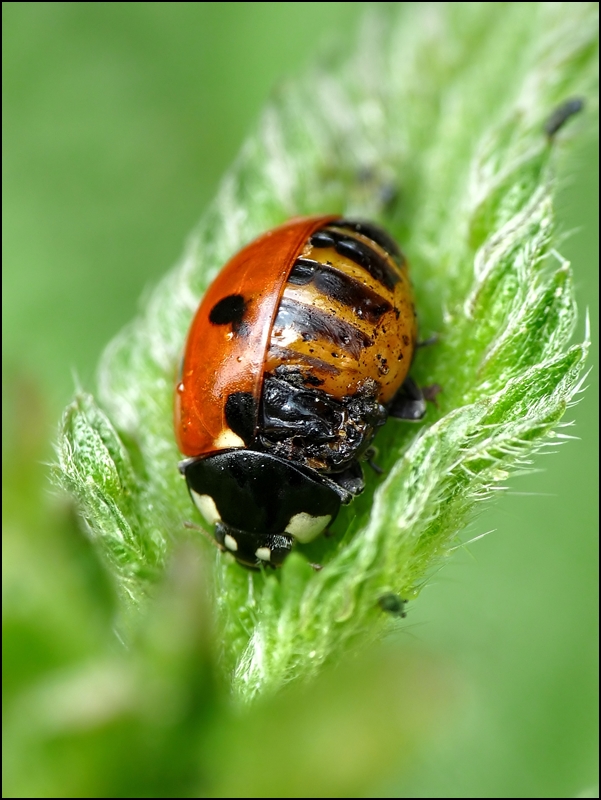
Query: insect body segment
[(345, 316), (296, 356)]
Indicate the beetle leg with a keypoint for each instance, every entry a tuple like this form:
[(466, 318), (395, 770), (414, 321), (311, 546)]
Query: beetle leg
[(409, 402), (370, 454), (351, 480)]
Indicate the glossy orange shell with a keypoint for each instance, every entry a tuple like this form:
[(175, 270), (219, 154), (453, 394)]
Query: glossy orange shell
[(216, 361)]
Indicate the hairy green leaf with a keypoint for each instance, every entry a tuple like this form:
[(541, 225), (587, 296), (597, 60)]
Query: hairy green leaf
[(434, 126)]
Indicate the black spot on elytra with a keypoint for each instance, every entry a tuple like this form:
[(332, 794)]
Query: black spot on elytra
[(229, 310), (240, 414)]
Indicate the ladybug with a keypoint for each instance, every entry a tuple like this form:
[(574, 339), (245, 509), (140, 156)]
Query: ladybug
[(299, 351)]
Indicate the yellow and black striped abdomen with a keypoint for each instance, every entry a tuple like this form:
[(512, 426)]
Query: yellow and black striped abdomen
[(346, 314)]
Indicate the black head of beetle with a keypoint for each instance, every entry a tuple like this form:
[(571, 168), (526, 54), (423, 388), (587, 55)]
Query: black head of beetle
[(259, 504)]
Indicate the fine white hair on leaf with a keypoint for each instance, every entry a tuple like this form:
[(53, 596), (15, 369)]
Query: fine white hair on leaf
[(443, 143)]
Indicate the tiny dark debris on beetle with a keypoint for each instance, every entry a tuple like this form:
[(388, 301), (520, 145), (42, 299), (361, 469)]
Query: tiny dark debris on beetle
[(392, 604)]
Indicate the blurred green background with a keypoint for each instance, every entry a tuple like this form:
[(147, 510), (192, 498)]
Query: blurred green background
[(119, 120)]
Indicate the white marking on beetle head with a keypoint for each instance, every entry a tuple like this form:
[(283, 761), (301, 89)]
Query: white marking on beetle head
[(264, 553), (230, 542), (227, 438), (305, 528), (206, 505)]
